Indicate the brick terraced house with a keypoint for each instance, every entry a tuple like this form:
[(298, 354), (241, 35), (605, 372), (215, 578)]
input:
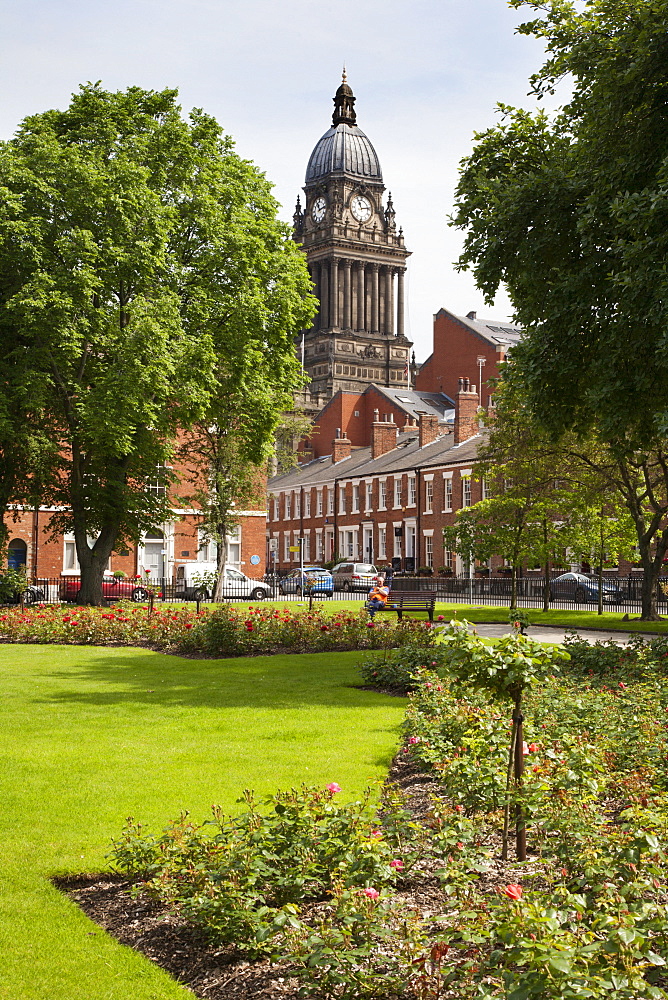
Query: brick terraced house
[(386, 502)]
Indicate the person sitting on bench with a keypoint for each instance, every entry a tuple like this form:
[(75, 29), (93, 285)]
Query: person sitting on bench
[(377, 597)]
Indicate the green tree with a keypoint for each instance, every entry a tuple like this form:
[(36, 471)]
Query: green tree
[(570, 213), (139, 257)]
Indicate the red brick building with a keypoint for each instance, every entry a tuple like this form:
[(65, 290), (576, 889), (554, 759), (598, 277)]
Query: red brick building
[(160, 551), (465, 346), (351, 414), (386, 501)]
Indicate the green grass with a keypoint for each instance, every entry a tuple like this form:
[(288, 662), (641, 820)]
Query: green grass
[(609, 620), (480, 613), (92, 735)]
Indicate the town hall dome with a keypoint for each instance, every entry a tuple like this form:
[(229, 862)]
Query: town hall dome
[(344, 148)]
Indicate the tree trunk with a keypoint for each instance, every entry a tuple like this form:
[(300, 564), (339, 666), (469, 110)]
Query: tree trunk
[(92, 561), (221, 562), (600, 572), (546, 570), (652, 567), (513, 588)]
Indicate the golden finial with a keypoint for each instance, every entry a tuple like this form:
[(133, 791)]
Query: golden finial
[(344, 78)]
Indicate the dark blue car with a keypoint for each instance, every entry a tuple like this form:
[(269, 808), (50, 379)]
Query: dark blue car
[(583, 589)]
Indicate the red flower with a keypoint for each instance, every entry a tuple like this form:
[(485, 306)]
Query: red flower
[(512, 891)]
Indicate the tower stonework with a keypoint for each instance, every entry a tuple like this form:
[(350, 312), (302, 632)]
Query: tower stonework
[(357, 262)]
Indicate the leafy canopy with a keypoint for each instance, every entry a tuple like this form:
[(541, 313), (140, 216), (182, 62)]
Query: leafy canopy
[(570, 213)]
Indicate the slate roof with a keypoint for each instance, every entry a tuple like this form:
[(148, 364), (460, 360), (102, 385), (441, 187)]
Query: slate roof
[(490, 330), (413, 401), (405, 457)]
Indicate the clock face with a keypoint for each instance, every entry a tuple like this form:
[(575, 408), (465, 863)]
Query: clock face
[(361, 208), (319, 209)]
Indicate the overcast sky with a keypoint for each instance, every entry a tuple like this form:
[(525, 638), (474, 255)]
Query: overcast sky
[(426, 74)]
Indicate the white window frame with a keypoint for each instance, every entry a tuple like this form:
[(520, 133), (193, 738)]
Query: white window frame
[(429, 496), (466, 492), (356, 499), (398, 491), (288, 506), (382, 494), (307, 503), (412, 491), (382, 541), (342, 500), (319, 504), (368, 498)]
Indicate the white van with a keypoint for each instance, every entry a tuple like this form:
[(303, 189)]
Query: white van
[(196, 581)]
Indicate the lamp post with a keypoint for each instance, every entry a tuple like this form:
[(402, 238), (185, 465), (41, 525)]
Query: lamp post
[(481, 364)]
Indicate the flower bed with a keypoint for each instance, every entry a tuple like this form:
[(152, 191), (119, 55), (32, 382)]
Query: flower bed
[(324, 887), (226, 631)]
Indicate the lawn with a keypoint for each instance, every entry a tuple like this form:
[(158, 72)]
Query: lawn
[(91, 735), (479, 613)]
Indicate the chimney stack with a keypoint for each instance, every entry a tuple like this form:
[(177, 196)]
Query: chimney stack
[(383, 437), (341, 447), (471, 315), (466, 411), (428, 427)]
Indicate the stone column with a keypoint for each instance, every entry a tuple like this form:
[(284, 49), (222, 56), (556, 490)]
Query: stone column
[(400, 303), (324, 295), (314, 271), (334, 295), (382, 301), (361, 295), (347, 316), (374, 298), (390, 301)]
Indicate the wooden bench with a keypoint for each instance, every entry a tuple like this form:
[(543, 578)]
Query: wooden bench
[(401, 601)]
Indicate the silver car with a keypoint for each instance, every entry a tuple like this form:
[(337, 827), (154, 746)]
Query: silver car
[(355, 576)]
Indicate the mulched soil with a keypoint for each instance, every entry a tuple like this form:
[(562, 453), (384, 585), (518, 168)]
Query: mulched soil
[(222, 974)]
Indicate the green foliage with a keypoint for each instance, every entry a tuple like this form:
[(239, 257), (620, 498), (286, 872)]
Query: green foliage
[(505, 669), (229, 632), (12, 584), (567, 213), (400, 669), (226, 631), (138, 250), (245, 879)]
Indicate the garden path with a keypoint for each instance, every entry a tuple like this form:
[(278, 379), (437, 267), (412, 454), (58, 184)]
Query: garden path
[(549, 633)]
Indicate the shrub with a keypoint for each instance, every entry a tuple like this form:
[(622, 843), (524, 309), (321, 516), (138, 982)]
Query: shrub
[(243, 879), (400, 669), (228, 631)]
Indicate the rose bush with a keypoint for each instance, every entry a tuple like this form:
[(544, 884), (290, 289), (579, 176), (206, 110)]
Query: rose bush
[(226, 631)]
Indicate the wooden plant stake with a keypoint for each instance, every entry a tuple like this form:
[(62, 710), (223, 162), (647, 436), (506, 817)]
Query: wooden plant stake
[(509, 778), (520, 825)]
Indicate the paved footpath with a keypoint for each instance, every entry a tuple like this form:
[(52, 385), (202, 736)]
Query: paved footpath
[(546, 633)]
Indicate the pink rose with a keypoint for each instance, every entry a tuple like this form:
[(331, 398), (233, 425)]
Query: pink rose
[(397, 864), (512, 891), (333, 788), (371, 893)]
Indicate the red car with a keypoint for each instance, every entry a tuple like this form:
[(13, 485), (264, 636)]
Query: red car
[(112, 589)]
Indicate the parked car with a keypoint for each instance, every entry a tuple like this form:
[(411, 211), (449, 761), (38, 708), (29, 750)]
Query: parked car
[(113, 589), (196, 581), (583, 589), (354, 576), (10, 594), (293, 583)]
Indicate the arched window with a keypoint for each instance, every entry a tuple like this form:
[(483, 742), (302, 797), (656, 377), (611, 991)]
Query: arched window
[(17, 553)]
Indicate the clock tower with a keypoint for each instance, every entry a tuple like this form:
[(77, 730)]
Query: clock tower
[(357, 261)]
